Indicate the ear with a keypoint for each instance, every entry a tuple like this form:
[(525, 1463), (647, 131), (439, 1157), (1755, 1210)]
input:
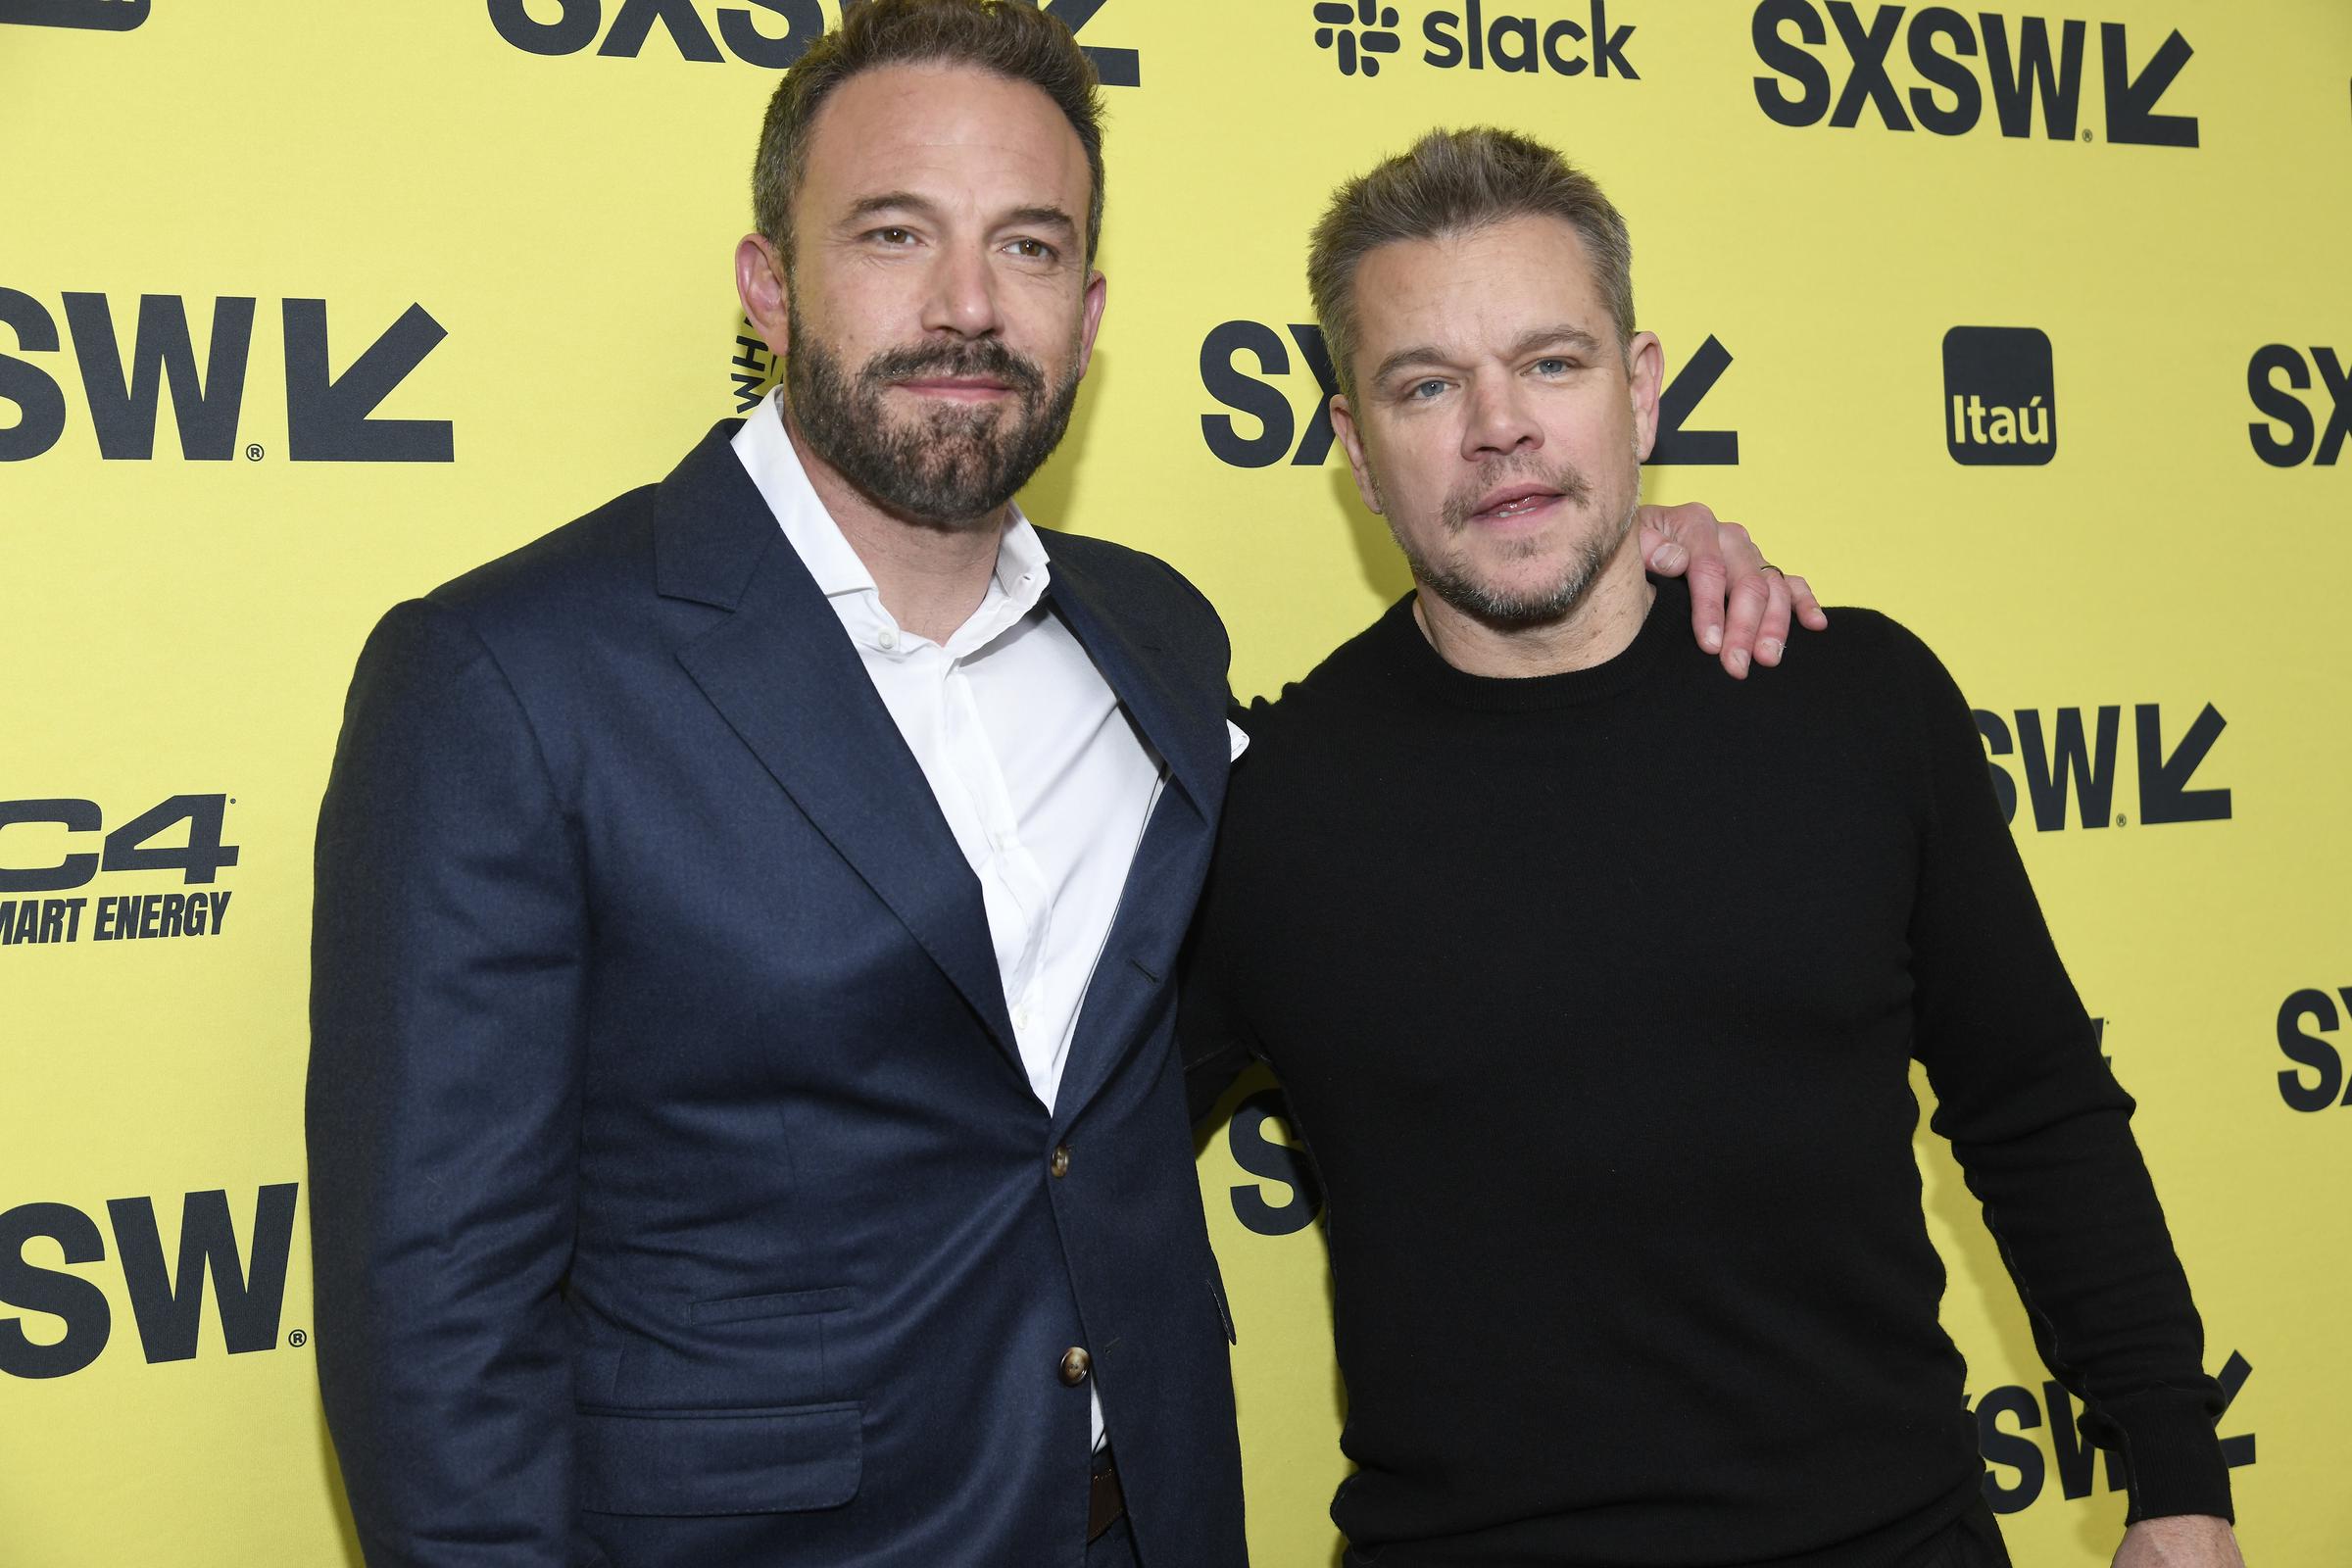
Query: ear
[(1097, 292), (767, 299), (1352, 442), (1646, 370)]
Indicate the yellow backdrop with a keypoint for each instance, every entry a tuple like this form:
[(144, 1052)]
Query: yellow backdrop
[(2027, 330)]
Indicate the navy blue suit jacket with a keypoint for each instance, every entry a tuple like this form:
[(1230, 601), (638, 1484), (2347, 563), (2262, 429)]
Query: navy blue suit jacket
[(678, 1197)]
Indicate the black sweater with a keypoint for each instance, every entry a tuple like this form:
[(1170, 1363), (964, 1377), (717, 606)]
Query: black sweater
[(1595, 997)]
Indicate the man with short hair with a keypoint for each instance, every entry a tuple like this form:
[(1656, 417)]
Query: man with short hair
[(743, 1117), (1625, 1231)]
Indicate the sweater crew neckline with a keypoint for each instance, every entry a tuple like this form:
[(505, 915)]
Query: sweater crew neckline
[(1410, 654)]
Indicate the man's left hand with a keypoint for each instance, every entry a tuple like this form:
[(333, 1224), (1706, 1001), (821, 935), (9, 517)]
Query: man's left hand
[(2180, 1541), (1740, 603)]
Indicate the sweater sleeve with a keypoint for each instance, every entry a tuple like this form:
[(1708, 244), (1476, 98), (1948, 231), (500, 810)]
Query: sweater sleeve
[(2042, 1132)]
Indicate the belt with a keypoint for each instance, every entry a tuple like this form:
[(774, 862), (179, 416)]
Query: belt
[(1106, 1504)]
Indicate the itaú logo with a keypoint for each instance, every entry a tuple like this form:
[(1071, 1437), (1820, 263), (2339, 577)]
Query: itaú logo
[(93, 16)]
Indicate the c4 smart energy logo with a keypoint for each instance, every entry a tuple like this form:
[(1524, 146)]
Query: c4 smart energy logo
[(2032, 68), (748, 31), (2000, 396), (94, 16), (52, 849), (1360, 33)]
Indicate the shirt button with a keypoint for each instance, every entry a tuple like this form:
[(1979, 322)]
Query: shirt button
[(1075, 1365), (1059, 1165), (886, 639), (1020, 1017)]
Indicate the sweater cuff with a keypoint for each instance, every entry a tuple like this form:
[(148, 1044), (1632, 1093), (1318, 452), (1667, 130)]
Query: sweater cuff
[(2173, 1454)]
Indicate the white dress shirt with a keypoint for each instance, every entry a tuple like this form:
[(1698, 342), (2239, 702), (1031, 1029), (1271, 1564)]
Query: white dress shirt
[(1044, 779)]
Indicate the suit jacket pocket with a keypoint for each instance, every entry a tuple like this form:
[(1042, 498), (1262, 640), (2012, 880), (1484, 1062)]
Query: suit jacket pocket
[(787, 1303), (695, 1462)]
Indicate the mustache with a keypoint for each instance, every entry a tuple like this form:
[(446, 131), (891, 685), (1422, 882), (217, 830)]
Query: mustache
[(1463, 500), (976, 356)]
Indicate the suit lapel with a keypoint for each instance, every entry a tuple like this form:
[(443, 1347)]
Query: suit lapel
[(1156, 903), (782, 673)]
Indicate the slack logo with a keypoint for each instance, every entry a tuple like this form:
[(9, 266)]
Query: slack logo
[(1475, 38), (2000, 397), (94, 16)]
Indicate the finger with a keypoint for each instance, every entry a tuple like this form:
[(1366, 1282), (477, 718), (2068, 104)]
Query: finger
[(1663, 529), (1772, 634), (1708, 581), (1809, 609), (1749, 600)]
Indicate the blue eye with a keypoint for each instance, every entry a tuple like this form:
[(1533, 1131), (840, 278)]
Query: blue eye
[(1554, 366), (1425, 390)]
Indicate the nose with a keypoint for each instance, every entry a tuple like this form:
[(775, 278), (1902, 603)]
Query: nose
[(963, 294), (1499, 422)]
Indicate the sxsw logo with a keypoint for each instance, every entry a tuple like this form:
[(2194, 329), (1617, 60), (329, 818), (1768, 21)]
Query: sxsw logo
[(2305, 439), (96, 15), (328, 414), (1360, 32), (1279, 430), (2058, 759), (167, 1298), (577, 23), (2024, 71), (2303, 1017), (2000, 395), (2017, 1473)]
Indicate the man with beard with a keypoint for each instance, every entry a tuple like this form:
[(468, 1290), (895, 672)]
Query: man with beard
[(1625, 1242), (711, 1161)]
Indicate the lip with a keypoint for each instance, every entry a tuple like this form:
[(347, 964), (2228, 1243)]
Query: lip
[(955, 388), (1512, 502)]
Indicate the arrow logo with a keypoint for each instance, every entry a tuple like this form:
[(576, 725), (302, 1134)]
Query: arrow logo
[(1695, 448), (2164, 792), (327, 417), (2131, 100)]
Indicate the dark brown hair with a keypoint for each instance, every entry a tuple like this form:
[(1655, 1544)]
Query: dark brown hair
[(1018, 43), (1451, 182)]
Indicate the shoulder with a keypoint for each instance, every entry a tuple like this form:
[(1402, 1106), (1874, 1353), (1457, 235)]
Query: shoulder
[(1152, 598), (583, 567), (1357, 674)]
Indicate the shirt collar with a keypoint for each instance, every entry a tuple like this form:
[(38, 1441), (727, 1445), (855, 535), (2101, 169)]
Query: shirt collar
[(767, 454)]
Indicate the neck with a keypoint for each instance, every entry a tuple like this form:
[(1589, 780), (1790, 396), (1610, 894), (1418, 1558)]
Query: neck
[(931, 576), (1600, 627)]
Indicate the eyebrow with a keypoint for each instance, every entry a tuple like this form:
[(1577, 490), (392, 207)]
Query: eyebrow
[(906, 201), (1561, 336)]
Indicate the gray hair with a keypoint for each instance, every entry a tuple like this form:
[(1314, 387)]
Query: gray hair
[(1452, 183)]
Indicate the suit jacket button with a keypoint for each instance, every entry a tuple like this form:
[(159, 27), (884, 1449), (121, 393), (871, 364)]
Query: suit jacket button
[(1059, 1165), (1075, 1364)]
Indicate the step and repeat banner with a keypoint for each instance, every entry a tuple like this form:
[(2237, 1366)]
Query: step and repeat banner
[(2028, 327)]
